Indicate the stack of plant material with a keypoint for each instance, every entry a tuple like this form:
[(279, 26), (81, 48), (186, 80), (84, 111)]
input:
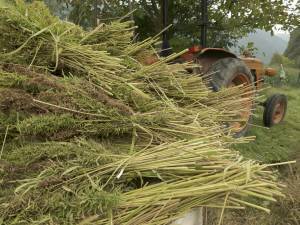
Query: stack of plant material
[(94, 135)]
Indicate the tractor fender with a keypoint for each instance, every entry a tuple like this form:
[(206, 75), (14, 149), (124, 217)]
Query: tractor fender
[(208, 56)]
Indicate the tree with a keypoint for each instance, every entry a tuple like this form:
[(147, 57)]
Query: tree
[(293, 49), (88, 13), (229, 19), (278, 59)]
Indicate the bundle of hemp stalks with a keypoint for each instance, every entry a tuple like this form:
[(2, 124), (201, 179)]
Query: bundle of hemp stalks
[(93, 134)]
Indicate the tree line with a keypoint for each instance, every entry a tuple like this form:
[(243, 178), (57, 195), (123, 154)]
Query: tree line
[(229, 19)]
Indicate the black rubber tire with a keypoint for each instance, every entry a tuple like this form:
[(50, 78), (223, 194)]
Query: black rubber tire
[(269, 111), (223, 72)]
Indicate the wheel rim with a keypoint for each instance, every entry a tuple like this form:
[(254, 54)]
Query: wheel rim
[(244, 115), (278, 113)]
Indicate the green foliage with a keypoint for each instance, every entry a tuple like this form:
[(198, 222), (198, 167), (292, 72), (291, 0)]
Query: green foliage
[(250, 49), (47, 125), (11, 80), (5, 3), (293, 49), (278, 59), (292, 77), (230, 20)]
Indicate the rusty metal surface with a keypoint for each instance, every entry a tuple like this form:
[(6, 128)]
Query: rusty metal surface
[(257, 68), (205, 63), (217, 51), (208, 56), (270, 72)]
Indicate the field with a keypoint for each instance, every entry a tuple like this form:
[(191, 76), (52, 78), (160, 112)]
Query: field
[(280, 142), (277, 144)]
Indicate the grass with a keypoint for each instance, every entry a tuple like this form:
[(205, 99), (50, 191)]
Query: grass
[(279, 143)]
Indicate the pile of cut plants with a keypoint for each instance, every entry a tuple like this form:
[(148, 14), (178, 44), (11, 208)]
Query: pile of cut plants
[(92, 133)]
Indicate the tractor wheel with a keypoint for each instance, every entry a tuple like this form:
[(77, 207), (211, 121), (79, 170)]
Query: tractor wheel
[(275, 109), (229, 72)]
